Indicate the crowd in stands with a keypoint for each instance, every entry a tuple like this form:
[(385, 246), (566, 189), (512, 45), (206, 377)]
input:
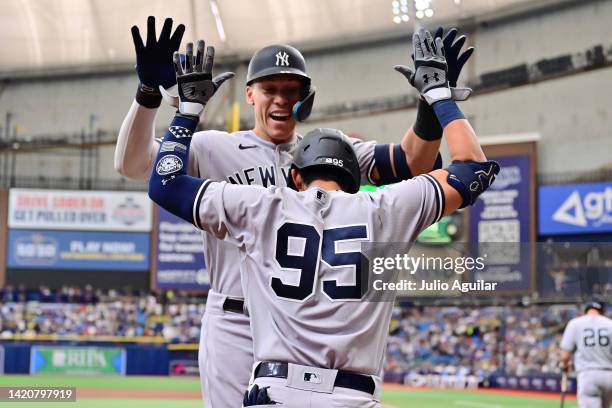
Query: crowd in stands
[(444, 340), (463, 340), (85, 312), (477, 341)]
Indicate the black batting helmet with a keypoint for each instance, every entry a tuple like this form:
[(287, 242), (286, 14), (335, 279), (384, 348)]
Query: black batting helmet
[(277, 59), (283, 59), (324, 147)]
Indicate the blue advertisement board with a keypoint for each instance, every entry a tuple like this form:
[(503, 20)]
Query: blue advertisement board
[(180, 260), (78, 250), (502, 215), (77, 360), (551, 383), (575, 209)]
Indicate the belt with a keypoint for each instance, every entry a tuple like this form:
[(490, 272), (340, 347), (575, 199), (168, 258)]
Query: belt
[(233, 305), (344, 379)]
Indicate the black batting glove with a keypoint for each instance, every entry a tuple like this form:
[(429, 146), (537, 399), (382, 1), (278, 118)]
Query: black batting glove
[(452, 51), (154, 60)]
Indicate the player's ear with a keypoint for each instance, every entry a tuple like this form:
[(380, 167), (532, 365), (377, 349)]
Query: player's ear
[(297, 180), (249, 95)]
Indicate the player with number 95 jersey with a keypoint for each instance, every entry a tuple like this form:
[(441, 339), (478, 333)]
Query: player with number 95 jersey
[(317, 340)]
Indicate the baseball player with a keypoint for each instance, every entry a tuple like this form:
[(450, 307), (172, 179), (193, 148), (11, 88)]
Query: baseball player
[(590, 337), (280, 91), (316, 344)]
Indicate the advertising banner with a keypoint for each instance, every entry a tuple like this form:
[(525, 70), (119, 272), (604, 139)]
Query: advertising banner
[(79, 210), (531, 383), (575, 209), (181, 368), (457, 382), (502, 214), (77, 360), (572, 271), (78, 250), (3, 233), (180, 258)]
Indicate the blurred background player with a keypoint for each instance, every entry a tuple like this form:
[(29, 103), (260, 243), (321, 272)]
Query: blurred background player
[(319, 343), (280, 91), (590, 338)]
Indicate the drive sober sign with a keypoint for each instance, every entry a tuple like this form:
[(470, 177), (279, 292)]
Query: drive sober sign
[(79, 210)]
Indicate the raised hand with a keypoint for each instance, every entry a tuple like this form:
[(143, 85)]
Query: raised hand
[(154, 59), (194, 79), (429, 76), (452, 51), (455, 60)]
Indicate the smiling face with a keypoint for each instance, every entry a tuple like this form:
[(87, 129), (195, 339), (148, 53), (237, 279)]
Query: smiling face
[(273, 98)]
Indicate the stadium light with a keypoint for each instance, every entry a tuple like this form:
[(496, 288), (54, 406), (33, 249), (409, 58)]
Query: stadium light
[(218, 22), (423, 9), (400, 11)]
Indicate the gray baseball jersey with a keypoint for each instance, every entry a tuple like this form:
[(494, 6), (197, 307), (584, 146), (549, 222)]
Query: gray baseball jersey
[(244, 158), (591, 338), (301, 261)]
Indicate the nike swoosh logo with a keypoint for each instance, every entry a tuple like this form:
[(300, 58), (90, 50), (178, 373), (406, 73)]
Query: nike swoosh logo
[(244, 147)]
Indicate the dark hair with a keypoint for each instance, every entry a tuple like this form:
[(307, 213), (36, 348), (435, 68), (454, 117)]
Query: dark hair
[(326, 173)]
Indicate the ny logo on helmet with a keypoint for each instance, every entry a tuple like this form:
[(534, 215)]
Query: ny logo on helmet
[(282, 59)]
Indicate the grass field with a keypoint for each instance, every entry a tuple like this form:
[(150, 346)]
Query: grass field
[(174, 392)]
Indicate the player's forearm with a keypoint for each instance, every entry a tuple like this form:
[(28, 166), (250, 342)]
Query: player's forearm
[(422, 141), (136, 147), (460, 137), (469, 174), (566, 358), (169, 185), (421, 154)]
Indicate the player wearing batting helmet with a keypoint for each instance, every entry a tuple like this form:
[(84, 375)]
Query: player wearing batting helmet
[(280, 90), (316, 342), (589, 338)]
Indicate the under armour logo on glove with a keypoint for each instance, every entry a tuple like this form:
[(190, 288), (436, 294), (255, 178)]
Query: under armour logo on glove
[(201, 91), (427, 77), (180, 132)]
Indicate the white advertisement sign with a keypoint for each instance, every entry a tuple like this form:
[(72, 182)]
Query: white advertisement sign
[(80, 210)]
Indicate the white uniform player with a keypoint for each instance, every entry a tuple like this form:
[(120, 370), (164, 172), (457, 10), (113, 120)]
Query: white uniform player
[(590, 338), (266, 165), (277, 81), (316, 342)]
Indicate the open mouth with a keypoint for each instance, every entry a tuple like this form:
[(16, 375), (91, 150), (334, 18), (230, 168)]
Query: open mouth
[(279, 116)]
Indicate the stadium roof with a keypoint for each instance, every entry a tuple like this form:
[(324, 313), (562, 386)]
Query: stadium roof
[(38, 34)]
